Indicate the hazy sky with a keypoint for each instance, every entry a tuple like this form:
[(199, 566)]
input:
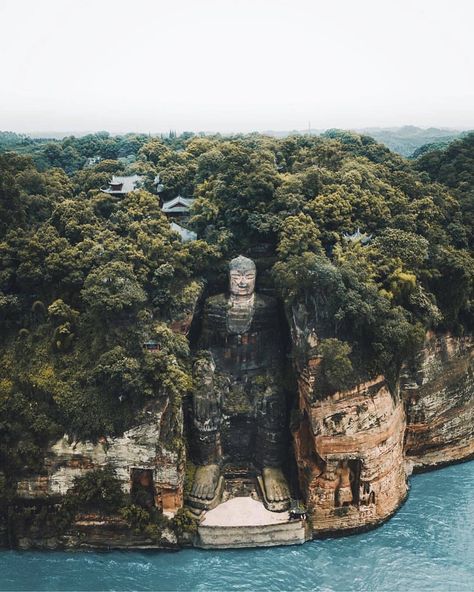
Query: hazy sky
[(234, 65)]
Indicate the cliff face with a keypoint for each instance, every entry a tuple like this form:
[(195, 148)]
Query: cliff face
[(143, 447), (153, 448), (438, 392), (349, 452), (353, 448), (348, 445)]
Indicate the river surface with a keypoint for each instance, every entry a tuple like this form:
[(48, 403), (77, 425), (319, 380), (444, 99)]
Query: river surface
[(427, 545)]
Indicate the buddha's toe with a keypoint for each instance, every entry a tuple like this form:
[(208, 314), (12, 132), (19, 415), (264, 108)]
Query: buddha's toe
[(285, 492)]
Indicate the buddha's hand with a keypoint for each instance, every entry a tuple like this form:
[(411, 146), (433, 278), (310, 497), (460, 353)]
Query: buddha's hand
[(207, 409)]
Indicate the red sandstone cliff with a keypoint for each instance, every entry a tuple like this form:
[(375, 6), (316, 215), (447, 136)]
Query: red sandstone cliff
[(349, 452), (348, 446), (353, 447), (438, 391)]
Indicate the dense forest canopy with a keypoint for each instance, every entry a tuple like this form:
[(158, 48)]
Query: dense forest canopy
[(453, 166), (377, 247)]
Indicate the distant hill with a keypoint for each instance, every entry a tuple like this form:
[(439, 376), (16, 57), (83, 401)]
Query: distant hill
[(403, 140), (407, 139)]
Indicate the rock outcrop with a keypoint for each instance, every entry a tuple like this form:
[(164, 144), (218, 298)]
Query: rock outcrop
[(438, 391), (348, 444), (349, 452), (142, 447), (97, 532)]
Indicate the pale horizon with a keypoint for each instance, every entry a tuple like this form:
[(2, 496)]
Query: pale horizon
[(234, 67), (78, 133)]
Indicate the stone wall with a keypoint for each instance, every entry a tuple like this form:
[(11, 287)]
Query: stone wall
[(438, 391)]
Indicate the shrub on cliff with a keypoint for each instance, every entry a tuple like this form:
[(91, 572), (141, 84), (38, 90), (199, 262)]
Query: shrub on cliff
[(97, 490), (336, 366)]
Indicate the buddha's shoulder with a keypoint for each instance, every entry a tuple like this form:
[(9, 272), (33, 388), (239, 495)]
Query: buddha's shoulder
[(218, 301), (222, 301)]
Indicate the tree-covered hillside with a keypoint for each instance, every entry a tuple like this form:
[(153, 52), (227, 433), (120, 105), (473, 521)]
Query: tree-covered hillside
[(87, 278), (453, 166)]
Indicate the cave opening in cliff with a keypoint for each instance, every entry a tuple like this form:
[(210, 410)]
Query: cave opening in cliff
[(355, 466), (347, 492), (142, 491)]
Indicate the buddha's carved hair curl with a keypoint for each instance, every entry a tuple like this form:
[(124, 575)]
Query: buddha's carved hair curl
[(242, 263)]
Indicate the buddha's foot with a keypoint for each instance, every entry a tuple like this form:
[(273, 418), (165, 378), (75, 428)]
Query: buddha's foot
[(207, 487), (276, 490)]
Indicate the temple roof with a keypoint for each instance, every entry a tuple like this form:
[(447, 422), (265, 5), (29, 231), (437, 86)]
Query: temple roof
[(178, 205), (357, 237), (122, 185)]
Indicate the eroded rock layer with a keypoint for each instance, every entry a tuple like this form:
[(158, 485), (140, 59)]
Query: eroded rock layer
[(142, 448), (349, 452), (438, 391)]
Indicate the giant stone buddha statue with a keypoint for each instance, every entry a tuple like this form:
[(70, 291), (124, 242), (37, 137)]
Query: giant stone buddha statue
[(239, 407)]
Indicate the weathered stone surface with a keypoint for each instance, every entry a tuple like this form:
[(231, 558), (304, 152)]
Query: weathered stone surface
[(141, 447), (349, 452), (98, 532), (438, 391), (348, 445)]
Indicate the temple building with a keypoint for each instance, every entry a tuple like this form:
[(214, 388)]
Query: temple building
[(177, 209), (123, 185), (178, 206)]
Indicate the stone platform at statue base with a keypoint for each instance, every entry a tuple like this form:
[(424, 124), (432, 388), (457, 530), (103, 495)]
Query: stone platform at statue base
[(245, 522)]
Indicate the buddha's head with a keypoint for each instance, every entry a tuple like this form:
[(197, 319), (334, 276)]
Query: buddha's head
[(242, 274)]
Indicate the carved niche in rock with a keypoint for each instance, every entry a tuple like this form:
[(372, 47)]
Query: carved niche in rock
[(239, 406)]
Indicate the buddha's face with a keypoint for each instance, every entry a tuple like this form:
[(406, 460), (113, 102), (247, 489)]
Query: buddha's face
[(242, 281)]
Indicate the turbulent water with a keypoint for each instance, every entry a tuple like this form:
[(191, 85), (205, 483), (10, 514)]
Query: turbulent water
[(428, 545)]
